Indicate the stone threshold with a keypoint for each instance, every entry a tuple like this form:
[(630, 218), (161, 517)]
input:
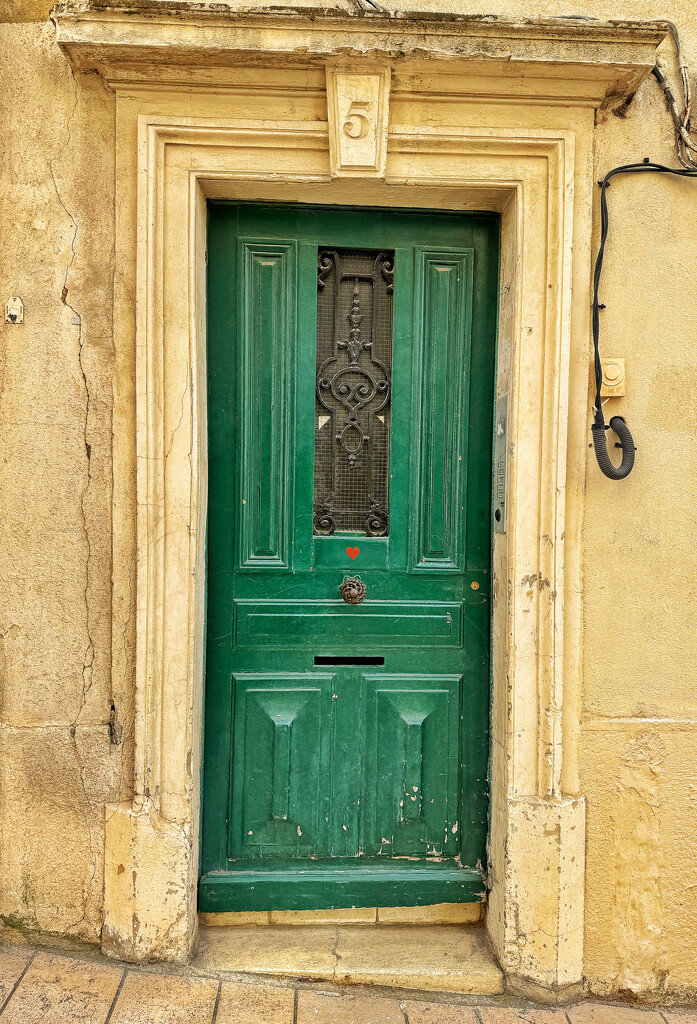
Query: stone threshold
[(42, 976), (439, 913), (439, 958)]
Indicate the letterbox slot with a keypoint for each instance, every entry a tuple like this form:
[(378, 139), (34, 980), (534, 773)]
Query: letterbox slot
[(337, 660)]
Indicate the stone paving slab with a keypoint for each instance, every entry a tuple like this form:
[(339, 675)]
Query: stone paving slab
[(590, 1013), (165, 999), (432, 1013), (315, 1008), (509, 1015), (61, 990), (39, 987), (241, 1003), (12, 964)]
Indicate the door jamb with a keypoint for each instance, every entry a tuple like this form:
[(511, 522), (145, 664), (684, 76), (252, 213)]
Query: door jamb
[(528, 176)]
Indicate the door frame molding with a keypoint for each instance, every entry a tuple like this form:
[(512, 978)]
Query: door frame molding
[(533, 190), (527, 155)]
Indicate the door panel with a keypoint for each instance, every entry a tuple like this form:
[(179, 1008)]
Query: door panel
[(329, 624), (441, 385), (412, 765), (350, 409), (281, 761), (267, 346)]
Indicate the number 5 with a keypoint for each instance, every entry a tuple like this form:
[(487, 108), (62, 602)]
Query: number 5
[(357, 121)]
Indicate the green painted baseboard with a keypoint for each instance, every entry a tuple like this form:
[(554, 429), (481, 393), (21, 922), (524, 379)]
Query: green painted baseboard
[(335, 888)]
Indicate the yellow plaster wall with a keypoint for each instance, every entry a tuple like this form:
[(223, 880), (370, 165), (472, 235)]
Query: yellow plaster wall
[(639, 702), (57, 766), (638, 706)]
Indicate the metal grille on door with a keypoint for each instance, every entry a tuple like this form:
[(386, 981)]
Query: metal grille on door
[(353, 391)]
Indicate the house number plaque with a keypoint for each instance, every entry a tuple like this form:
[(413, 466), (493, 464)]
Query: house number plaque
[(358, 106)]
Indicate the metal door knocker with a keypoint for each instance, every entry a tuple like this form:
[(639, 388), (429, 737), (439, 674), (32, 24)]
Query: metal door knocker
[(353, 590)]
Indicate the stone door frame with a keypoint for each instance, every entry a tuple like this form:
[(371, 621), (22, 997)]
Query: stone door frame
[(178, 145)]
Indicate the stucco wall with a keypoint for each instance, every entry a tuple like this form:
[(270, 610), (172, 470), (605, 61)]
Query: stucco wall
[(638, 707), (58, 766)]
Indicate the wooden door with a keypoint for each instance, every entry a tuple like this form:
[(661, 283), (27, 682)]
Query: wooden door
[(350, 404)]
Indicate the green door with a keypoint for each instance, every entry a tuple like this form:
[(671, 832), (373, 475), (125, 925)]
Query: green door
[(350, 406)]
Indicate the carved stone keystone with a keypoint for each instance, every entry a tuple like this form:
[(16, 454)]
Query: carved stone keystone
[(358, 106)]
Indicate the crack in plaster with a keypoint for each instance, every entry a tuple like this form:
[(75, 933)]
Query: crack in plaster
[(128, 618), (89, 655), (117, 729), (88, 659), (335, 953), (181, 417)]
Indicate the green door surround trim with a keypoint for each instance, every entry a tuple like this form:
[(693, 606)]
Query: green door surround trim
[(446, 617)]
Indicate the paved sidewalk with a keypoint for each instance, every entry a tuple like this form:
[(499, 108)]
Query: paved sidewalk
[(43, 987)]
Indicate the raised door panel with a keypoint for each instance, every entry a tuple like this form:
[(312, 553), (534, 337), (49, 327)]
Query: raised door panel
[(334, 624), (412, 765), (443, 290), (281, 764), (267, 347)]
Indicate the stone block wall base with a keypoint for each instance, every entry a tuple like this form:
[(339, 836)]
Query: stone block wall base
[(523, 987), (149, 888), (544, 886)]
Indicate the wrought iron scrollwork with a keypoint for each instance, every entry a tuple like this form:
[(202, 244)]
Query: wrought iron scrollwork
[(353, 385), (323, 520), (387, 271), (376, 522), (325, 263)]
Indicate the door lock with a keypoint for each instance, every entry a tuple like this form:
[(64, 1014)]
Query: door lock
[(353, 590)]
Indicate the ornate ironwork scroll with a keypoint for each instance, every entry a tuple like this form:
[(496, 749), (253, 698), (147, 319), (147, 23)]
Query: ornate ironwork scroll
[(353, 391)]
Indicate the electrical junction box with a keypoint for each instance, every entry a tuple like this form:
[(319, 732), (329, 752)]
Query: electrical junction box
[(14, 311), (613, 385)]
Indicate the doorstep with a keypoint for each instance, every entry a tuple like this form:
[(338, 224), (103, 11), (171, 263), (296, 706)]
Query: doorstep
[(438, 958)]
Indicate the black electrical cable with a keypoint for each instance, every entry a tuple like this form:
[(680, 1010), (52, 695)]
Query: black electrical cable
[(617, 423)]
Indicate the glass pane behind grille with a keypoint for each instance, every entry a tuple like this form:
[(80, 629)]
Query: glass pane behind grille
[(353, 391)]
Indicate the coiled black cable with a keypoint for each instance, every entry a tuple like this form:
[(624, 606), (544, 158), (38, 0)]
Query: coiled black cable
[(617, 423)]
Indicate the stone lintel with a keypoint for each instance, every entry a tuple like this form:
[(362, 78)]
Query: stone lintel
[(612, 58)]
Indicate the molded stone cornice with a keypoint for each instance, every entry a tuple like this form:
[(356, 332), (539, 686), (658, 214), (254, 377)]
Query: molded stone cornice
[(144, 40)]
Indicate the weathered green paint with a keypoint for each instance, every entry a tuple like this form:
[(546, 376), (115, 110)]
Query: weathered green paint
[(442, 355), (267, 348), (335, 888), (335, 785)]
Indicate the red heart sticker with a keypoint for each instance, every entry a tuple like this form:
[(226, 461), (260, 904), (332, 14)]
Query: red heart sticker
[(352, 552)]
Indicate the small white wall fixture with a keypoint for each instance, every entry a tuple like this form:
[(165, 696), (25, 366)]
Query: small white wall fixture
[(264, 107)]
